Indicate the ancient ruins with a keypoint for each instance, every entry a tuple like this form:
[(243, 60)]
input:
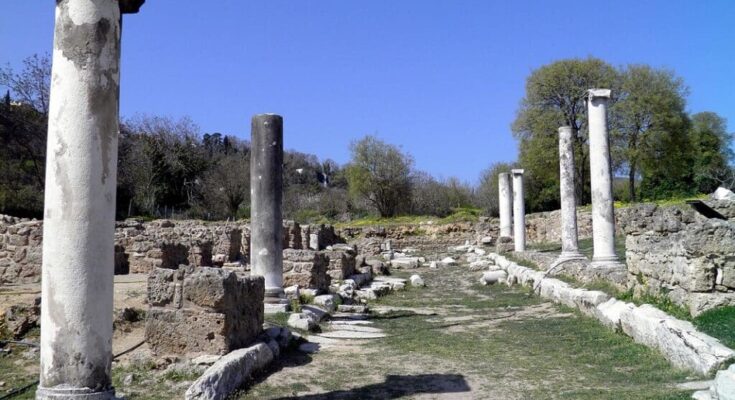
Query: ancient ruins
[(235, 305)]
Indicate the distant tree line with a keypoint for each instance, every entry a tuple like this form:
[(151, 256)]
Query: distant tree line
[(168, 168)]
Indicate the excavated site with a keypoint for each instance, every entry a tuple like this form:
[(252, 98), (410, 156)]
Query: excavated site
[(425, 310)]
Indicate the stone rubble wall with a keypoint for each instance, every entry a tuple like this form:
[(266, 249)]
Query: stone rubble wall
[(306, 268), (202, 310), (675, 251), (20, 250), (142, 246)]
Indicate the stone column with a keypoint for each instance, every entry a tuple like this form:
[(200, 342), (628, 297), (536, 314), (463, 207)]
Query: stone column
[(519, 211), (266, 193), (569, 243), (79, 205), (603, 215), (505, 201)]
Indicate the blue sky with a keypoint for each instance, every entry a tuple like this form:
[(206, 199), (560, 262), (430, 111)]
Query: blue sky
[(441, 79)]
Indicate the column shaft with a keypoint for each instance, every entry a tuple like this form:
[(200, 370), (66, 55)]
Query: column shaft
[(569, 242), (266, 191), (519, 211), (603, 215), (79, 207), (505, 204)]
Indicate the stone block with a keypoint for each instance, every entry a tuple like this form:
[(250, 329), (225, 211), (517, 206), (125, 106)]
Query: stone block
[(305, 268), (677, 340), (341, 263), (230, 372), (207, 310)]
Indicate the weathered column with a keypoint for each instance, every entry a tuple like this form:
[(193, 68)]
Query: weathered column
[(603, 215), (79, 208), (266, 192), (569, 243), (519, 211), (505, 201)]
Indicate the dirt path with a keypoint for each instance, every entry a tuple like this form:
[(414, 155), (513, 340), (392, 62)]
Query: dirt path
[(456, 339)]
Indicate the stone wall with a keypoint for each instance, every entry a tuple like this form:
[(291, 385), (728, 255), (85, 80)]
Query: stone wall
[(202, 310), (677, 252), (545, 227), (305, 268), (20, 250), (143, 246)]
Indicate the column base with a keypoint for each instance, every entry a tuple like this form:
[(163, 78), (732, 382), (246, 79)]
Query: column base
[(570, 256), (274, 294), (72, 393), (609, 268), (275, 301), (607, 262)]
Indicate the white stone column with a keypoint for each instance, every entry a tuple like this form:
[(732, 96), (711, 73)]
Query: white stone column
[(519, 211), (569, 242), (266, 194), (79, 208), (505, 204), (603, 215)]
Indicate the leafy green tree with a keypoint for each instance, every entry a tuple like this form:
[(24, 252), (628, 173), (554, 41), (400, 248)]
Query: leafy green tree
[(650, 101), (711, 144), (667, 161), (487, 190), (555, 96), (380, 174)]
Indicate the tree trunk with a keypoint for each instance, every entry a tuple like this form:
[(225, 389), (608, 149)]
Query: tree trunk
[(631, 181)]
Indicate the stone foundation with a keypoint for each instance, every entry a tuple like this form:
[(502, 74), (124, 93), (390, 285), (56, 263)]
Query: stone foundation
[(202, 310), (305, 268)]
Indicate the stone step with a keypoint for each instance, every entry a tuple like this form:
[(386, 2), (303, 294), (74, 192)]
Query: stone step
[(352, 335), (357, 328)]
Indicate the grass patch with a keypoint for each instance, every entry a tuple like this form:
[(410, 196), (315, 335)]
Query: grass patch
[(719, 323), (277, 319), (149, 383), (18, 370), (561, 355)]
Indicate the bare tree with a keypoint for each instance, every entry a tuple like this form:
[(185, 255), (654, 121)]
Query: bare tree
[(31, 85)]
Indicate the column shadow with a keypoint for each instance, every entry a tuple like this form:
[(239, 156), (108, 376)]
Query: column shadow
[(396, 386)]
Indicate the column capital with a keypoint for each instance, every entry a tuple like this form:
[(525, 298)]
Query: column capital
[(565, 128), (130, 6), (599, 93), (517, 171)]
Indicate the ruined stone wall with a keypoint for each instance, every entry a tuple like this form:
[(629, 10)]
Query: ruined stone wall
[(20, 250), (424, 237), (675, 251), (168, 244), (305, 268), (143, 246)]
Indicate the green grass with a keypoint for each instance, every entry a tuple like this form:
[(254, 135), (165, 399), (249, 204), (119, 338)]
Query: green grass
[(566, 354), (149, 383), (14, 372), (673, 201), (719, 323)]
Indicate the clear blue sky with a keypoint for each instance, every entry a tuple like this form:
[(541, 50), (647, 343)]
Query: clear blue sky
[(441, 79)]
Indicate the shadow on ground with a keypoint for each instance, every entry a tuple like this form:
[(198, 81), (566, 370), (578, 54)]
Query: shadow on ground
[(397, 386)]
